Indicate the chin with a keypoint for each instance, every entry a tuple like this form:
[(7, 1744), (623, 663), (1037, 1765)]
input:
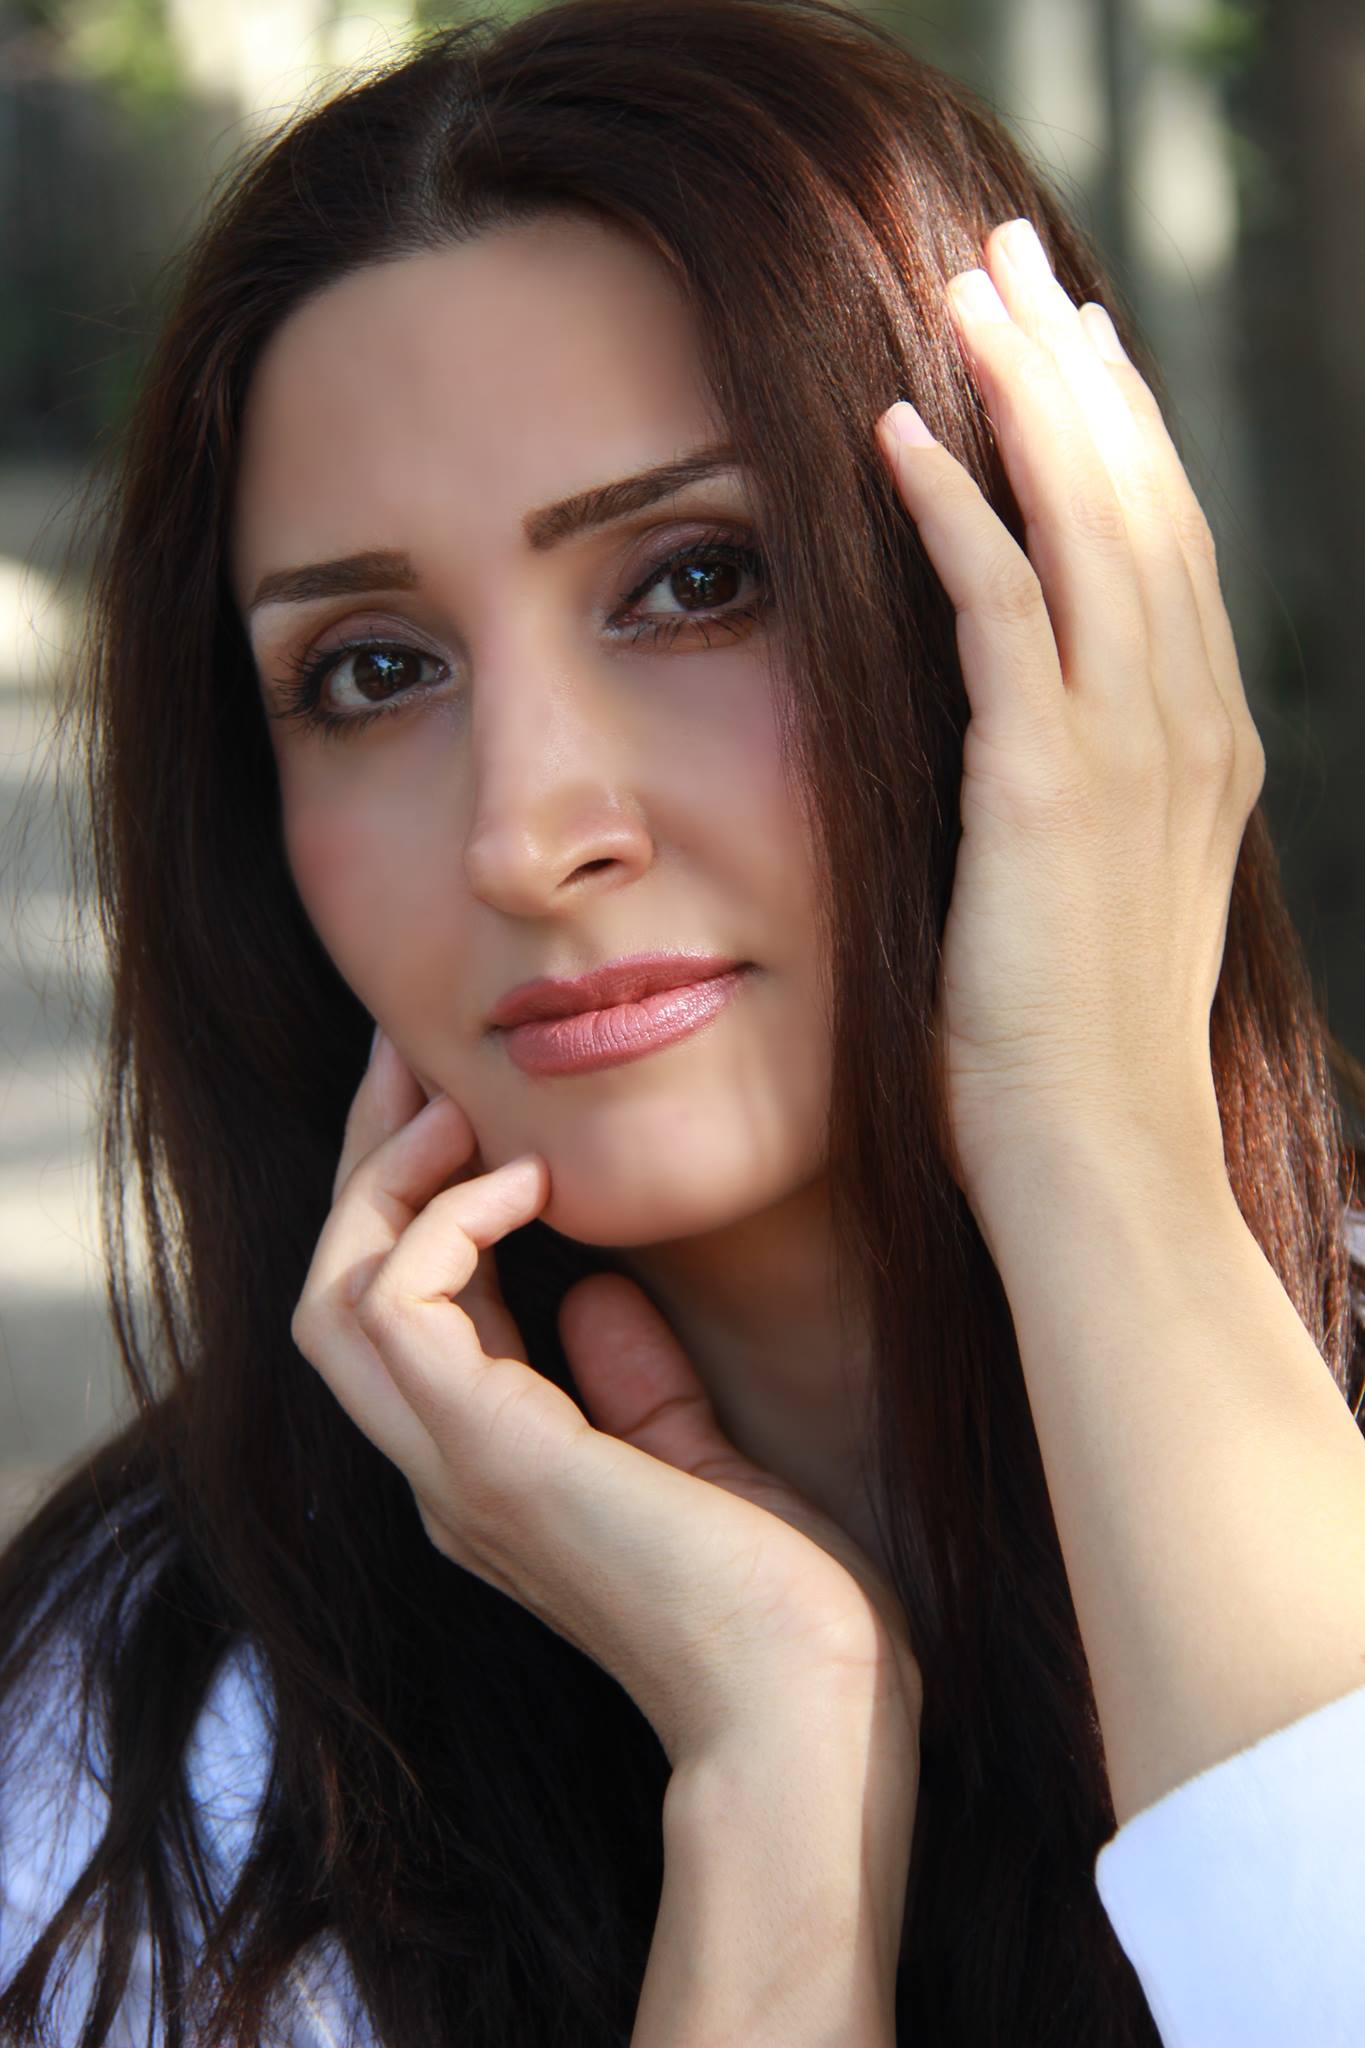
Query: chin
[(623, 1216)]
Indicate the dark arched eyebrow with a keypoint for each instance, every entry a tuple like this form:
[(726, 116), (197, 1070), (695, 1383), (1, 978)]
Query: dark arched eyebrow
[(389, 569)]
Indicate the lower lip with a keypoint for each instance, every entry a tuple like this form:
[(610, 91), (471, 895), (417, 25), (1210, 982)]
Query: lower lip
[(608, 1038)]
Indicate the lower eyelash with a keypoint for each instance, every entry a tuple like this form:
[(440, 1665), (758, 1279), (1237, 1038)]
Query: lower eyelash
[(732, 619), (301, 693), (668, 629)]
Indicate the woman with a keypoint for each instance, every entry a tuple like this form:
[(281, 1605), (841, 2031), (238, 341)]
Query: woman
[(698, 1520)]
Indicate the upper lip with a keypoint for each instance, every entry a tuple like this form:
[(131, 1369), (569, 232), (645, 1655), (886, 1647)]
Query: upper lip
[(619, 981)]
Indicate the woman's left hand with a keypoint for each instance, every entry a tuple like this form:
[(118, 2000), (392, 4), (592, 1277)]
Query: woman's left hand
[(1110, 763)]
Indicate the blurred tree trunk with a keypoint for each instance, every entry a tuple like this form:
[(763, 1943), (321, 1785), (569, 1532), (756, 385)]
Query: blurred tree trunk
[(1302, 285)]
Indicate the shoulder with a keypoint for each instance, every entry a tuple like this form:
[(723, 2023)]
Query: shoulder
[(54, 1775), (228, 1760), (54, 1806)]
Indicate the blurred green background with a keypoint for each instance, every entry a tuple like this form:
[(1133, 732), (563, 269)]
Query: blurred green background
[(1215, 151)]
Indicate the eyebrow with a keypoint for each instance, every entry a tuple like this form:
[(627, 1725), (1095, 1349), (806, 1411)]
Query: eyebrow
[(390, 569)]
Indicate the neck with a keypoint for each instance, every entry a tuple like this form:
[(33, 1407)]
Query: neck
[(756, 1308)]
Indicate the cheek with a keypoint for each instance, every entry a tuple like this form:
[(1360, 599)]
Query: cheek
[(765, 812), (331, 873), (365, 876)]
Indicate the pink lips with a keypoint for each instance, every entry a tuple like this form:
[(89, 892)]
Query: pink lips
[(627, 980), (612, 1033)]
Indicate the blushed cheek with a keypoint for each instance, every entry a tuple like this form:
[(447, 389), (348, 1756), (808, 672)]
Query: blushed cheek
[(767, 808), (341, 872)]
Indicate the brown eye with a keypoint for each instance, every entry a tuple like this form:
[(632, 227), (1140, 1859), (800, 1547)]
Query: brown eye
[(699, 586), (378, 672), (706, 583), (331, 692)]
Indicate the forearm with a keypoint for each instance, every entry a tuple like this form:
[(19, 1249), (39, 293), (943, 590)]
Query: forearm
[(785, 1867), (1206, 1477)]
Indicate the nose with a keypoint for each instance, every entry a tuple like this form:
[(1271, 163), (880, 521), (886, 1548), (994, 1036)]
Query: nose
[(555, 814)]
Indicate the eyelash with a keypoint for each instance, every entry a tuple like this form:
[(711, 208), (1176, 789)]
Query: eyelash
[(306, 676)]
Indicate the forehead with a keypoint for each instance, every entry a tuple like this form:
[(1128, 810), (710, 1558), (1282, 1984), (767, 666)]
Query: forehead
[(466, 384)]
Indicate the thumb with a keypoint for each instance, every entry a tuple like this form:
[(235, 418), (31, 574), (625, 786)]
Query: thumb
[(638, 1384), (636, 1381)]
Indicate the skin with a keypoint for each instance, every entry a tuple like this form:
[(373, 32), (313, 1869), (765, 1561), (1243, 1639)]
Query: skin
[(551, 795), (1207, 1481)]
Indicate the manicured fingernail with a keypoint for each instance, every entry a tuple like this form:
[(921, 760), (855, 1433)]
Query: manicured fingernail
[(905, 424), (1103, 333), (1025, 251), (973, 293), (374, 1044)]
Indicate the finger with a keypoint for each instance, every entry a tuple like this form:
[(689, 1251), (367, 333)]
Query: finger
[(386, 1189), (1076, 535), (393, 1097), (1010, 663), (1188, 522), (638, 1385), (359, 1377), (356, 1321), (1191, 527), (411, 1311), (1180, 669), (389, 1095), (379, 1199), (635, 1378)]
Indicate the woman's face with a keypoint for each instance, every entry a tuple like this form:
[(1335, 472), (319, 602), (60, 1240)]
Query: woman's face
[(546, 754)]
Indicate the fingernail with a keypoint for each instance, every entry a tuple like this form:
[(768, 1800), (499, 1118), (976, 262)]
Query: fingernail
[(374, 1045), (974, 293), (1103, 333), (1025, 250), (905, 424)]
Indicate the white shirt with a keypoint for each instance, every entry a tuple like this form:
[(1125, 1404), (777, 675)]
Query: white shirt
[(1237, 1896), (53, 1815)]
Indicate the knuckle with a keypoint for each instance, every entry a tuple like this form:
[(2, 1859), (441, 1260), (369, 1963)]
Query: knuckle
[(452, 1205), (1097, 517), (304, 1327), (1253, 755), (1146, 494), (1194, 534), (1034, 371), (383, 1313), (438, 1533), (1050, 794), (1010, 590), (960, 495), (1212, 747)]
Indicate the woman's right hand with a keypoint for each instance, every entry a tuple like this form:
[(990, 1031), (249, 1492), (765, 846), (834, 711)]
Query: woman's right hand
[(719, 1597)]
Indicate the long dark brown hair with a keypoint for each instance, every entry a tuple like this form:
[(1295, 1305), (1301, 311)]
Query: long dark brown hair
[(466, 1803)]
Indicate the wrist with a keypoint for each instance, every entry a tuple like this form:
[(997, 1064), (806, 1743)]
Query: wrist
[(1046, 1171), (785, 1871)]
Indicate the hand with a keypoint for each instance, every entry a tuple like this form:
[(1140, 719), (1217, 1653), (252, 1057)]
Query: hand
[(1110, 761), (718, 1596)]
